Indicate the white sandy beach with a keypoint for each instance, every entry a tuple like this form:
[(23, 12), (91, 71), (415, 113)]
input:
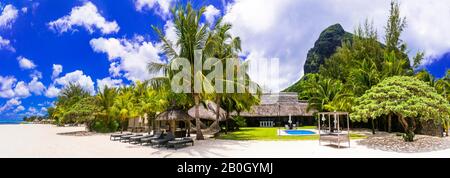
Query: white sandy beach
[(43, 141)]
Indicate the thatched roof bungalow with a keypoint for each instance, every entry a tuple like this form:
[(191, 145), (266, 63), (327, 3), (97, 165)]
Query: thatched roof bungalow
[(276, 108)]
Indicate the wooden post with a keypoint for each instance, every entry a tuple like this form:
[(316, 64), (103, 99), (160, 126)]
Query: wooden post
[(348, 129), (320, 135)]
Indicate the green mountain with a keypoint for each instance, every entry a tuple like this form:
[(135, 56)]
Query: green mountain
[(327, 44), (330, 40)]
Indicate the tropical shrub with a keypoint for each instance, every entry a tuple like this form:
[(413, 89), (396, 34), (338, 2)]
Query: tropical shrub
[(103, 126), (406, 97), (240, 121)]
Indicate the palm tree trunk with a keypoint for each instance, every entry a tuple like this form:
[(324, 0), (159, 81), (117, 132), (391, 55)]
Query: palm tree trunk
[(217, 122), (373, 126), (447, 128), (226, 123), (389, 123), (197, 118)]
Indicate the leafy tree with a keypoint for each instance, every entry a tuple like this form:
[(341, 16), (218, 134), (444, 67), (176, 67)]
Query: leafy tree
[(67, 98), (406, 97), (84, 111)]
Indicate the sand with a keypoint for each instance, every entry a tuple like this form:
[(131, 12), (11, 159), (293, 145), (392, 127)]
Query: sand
[(43, 141)]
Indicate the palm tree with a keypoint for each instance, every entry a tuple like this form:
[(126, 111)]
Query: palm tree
[(123, 107), (224, 47), (191, 36), (105, 100), (393, 66)]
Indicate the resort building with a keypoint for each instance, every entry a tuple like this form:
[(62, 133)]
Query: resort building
[(276, 109)]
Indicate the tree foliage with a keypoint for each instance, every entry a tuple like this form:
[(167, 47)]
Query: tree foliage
[(406, 97)]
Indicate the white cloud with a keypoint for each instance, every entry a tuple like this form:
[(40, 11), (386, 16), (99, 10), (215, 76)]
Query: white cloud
[(78, 78), (211, 13), (132, 56), (161, 7), (10, 104), (287, 29), (32, 111), (6, 86), (25, 63), (21, 90), (8, 16), (114, 69), (52, 92), (86, 16), (36, 74), (36, 87), (6, 44), (19, 109), (57, 69), (10, 89), (24, 9), (171, 34), (109, 82)]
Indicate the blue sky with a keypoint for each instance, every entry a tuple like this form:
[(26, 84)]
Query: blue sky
[(45, 44)]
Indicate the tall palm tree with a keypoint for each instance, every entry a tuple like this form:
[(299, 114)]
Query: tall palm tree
[(191, 36), (224, 47)]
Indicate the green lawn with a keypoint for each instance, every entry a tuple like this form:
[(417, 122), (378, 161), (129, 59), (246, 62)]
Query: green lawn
[(270, 134)]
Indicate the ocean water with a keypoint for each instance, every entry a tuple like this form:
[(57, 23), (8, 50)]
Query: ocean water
[(9, 122)]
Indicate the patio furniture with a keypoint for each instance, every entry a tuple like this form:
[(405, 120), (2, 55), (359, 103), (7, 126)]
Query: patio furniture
[(178, 142), (114, 137), (330, 129), (148, 140), (164, 140), (137, 139), (127, 138)]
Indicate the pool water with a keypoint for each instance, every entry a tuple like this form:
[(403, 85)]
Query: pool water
[(299, 132)]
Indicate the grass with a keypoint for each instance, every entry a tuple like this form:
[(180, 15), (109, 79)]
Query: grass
[(270, 134)]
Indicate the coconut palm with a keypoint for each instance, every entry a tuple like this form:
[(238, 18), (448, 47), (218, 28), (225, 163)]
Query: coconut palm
[(105, 100), (123, 107), (224, 47), (191, 36)]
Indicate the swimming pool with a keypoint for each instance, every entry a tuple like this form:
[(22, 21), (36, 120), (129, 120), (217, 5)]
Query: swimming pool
[(295, 132)]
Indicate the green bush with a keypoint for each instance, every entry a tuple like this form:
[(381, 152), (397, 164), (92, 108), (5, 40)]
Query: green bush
[(409, 136), (240, 121), (103, 126)]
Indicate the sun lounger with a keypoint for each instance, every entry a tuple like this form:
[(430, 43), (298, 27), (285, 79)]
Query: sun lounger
[(164, 140), (137, 139), (114, 137), (127, 138), (180, 142), (148, 140)]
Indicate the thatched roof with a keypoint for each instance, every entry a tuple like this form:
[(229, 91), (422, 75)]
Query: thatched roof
[(174, 115), (279, 105), (208, 112)]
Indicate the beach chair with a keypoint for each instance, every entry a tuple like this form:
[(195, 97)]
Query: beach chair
[(114, 137), (127, 138), (178, 142), (164, 140), (148, 140), (137, 139)]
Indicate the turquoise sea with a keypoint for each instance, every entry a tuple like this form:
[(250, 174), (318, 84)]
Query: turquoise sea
[(9, 122)]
